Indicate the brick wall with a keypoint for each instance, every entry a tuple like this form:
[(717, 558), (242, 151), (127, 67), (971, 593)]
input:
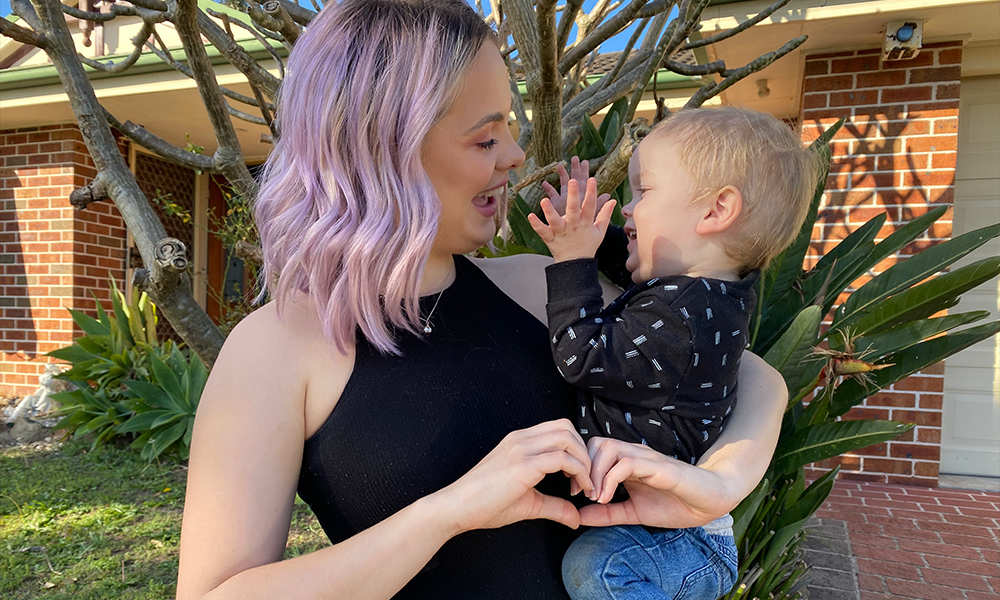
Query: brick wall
[(52, 257), (895, 154)]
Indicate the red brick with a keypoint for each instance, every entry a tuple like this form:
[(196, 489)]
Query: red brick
[(824, 113), (931, 110), (924, 59), (906, 94), (950, 57), (960, 565), (921, 384), (881, 79), (902, 162), (857, 98), (831, 55), (883, 465), (873, 180), (947, 91), (943, 160), (958, 529), (817, 67), (935, 74), (870, 582), (829, 83), (923, 591), (926, 469), (916, 451), (860, 63), (928, 179), (888, 569), (866, 413), (814, 101), (973, 595)]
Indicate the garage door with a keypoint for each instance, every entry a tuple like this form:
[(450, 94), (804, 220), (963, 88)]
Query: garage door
[(970, 440)]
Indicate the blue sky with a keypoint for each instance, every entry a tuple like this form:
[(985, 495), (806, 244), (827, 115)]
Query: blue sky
[(614, 44)]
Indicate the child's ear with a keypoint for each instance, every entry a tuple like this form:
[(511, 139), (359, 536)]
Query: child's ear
[(721, 211)]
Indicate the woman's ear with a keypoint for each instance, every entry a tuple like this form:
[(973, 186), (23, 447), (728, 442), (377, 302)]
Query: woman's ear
[(721, 211)]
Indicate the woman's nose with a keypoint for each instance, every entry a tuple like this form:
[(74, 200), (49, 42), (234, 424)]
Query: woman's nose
[(513, 156)]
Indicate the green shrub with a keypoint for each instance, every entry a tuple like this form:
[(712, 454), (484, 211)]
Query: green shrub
[(129, 385)]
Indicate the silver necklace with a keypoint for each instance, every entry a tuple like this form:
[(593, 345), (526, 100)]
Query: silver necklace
[(427, 321)]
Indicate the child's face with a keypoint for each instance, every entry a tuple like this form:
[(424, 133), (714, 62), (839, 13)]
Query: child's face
[(662, 217)]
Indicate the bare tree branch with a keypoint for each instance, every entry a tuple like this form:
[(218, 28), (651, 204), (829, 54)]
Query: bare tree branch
[(718, 66), (713, 89), (159, 5), (160, 146), (301, 14), (259, 36), (95, 191), (767, 12), (287, 27), (21, 34), (615, 166), (171, 292), (606, 30), (228, 155), (138, 42), (237, 56), (566, 21)]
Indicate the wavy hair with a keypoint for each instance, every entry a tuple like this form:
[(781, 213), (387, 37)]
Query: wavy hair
[(346, 212)]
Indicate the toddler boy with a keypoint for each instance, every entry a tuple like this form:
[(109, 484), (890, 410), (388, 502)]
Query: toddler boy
[(716, 193)]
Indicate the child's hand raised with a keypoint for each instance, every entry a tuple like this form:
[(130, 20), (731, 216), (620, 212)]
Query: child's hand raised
[(578, 170), (579, 233)]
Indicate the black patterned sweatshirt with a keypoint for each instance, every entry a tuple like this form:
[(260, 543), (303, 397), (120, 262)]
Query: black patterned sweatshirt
[(658, 366)]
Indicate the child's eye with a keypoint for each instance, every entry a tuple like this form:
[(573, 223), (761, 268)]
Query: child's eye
[(488, 145)]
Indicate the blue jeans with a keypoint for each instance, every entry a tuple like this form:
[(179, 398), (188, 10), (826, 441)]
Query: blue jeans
[(631, 563)]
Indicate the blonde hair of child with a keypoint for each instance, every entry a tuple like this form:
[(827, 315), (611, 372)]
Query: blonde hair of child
[(759, 155)]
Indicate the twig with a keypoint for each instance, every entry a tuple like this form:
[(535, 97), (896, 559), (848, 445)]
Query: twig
[(713, 89), (22, 34)]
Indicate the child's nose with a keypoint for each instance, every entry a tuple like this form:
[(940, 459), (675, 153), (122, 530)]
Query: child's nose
[(627, 209)]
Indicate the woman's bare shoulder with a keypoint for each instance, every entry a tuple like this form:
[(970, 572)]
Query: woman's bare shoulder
[(521, 277)]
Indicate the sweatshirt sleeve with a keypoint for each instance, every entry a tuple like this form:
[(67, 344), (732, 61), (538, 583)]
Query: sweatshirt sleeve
[(633, 357)]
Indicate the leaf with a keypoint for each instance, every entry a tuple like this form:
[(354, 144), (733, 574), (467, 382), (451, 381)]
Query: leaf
[(166, 379), (826, 440), (524, 235), (810, 500), (121, 319), (906, 335), (909, 272), (926, 297), (153, 394), (163, 439), (591, 145), (788, 354), (88, 324), (782, 537), (142, 421), (782, 313), (744, 514), (73, 354), (910, 360)]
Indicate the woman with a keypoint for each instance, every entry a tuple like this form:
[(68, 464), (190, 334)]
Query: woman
[(406, 392)]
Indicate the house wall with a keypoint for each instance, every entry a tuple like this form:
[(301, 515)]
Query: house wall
[(52, 256), (895, 154)]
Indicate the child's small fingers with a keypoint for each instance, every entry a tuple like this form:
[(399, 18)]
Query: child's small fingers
[(543, 230), (572, 199), (589, 206), (604, 216), (556, 223)]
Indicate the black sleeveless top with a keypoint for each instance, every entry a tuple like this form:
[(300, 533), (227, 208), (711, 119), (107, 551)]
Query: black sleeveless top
[(406, 426)]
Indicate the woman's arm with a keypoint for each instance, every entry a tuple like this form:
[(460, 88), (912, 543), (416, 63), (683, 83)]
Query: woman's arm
[(668, 493), (245, 461)]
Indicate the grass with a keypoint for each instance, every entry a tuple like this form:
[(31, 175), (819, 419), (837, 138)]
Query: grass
[(99, 525)]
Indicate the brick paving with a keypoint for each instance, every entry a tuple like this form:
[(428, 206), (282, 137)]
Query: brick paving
[(909, 542)]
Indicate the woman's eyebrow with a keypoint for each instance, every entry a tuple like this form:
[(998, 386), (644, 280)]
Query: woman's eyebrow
[(493, 118)]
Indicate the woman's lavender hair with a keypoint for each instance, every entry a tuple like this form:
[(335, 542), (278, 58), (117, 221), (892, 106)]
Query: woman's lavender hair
[(346, 212)]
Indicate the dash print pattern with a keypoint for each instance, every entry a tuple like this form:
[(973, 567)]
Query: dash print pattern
[(665, 371)]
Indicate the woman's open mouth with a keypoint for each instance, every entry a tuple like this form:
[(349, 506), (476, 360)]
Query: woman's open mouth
[(488, 202)]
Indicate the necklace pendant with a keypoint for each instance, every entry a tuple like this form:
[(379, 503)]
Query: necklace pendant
[(428, 329)]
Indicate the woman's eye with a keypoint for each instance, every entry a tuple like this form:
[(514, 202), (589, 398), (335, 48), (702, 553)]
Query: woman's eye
[(489, 144)]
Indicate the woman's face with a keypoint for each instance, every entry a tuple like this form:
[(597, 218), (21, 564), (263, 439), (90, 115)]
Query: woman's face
[(468, 153)]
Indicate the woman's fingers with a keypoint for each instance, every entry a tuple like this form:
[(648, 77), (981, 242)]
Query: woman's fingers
[(553, 509), (604, 515)]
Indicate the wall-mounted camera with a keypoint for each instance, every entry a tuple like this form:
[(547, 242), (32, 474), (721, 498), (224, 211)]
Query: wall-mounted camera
[(903, 39)]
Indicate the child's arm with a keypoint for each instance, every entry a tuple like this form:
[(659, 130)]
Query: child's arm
[(612, 253)]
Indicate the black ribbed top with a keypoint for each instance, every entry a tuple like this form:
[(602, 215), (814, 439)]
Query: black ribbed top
[(408, 426)]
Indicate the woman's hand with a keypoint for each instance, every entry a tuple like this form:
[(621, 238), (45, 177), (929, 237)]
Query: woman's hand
[(579, 172), (501, 489), (663, 492)]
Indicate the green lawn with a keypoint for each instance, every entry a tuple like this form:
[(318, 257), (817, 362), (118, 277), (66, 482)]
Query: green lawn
[(98, 525)]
